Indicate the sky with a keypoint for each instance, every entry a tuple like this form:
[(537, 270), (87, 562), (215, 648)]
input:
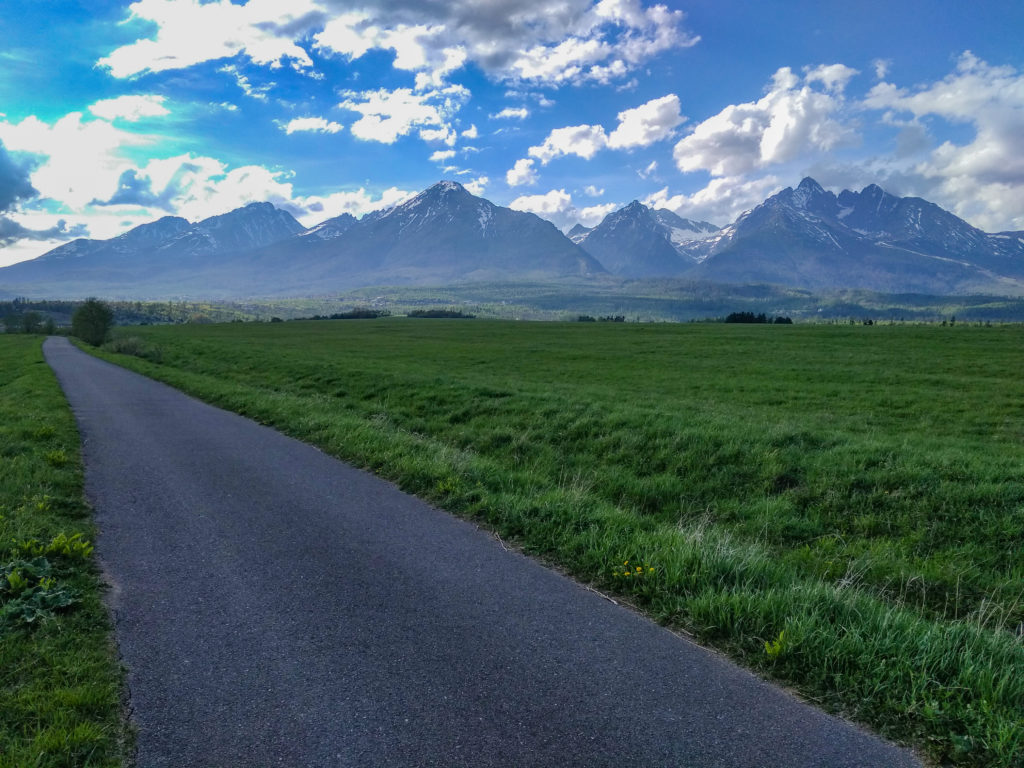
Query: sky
[(113, 114)]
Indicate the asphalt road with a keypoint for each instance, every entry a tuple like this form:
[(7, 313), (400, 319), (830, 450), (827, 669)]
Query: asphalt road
[(276, 607)]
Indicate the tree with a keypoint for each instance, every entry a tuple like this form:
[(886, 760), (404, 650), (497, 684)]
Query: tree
[(31, 322), (91, 322)]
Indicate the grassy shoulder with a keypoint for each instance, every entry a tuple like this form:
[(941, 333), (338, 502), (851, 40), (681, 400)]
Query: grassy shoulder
[(841, 508), (59, 679)]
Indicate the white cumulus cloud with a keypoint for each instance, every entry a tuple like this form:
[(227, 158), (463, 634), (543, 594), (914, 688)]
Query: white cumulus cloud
[(548, 41), (521, 173), (647, 124), (422, 48), (581, 140), (511, 113), (721, 201), (77, 159), (388, 115), (605, 41), (189, 32), (637, 127), (792, 119), (311, 125), (477, 186), (981, 180), (130, 108), (592, 215), (314, 209), (557, 206)]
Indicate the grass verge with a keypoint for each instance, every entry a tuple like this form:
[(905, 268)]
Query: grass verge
[(841, 508), (59, 680)]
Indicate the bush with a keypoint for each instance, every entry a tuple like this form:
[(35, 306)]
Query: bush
[(133, 345), (91, 322)]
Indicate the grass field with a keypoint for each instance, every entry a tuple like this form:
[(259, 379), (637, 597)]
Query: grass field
[(839, 507), (59, 680)]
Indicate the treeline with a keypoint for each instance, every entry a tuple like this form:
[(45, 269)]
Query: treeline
[(750, 317), (602, 319), (18, 314), (451, 313), (29, 321), (23, 316), (359, 313)]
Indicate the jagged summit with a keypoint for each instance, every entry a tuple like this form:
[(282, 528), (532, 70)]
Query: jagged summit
[(331, 228), (810, 195), (441, 191), (812, 238), (632, 242), (446, 185), (579, 233), (252, 226), (443, 234), (636, 241), (164, 227)]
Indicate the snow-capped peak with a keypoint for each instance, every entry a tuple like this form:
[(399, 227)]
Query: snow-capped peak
[(446, 186), (807, 191)]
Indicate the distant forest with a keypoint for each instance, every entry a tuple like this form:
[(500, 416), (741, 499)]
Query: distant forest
[(612, 301)]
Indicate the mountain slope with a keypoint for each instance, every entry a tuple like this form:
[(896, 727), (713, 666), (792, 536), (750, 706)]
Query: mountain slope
[(162, 258), (682, 230), (631, 242), (810, 238), (638, 242), (253, 226), (805, 238), (579, 233), (331, 228), (443, 234)]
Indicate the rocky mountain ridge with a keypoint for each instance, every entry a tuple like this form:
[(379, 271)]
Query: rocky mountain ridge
[(806, 237), (811, 238)]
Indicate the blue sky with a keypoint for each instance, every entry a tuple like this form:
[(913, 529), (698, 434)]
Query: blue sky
[(114, 113)]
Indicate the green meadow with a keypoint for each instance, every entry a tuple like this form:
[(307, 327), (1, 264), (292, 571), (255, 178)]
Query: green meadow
[(838, 507), (59, 679)]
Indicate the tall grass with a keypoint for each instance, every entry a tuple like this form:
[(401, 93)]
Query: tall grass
[(840, 507), (59, 680)]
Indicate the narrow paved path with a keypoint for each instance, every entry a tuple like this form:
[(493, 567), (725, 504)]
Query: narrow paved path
[(276, 607)]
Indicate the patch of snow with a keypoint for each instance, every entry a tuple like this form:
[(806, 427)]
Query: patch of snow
[(678, 235), (484, 216)]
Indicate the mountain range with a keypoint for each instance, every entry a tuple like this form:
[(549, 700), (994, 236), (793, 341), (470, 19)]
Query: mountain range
[(806, 238)]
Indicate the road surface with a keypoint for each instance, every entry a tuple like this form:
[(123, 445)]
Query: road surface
[(276, 607)]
